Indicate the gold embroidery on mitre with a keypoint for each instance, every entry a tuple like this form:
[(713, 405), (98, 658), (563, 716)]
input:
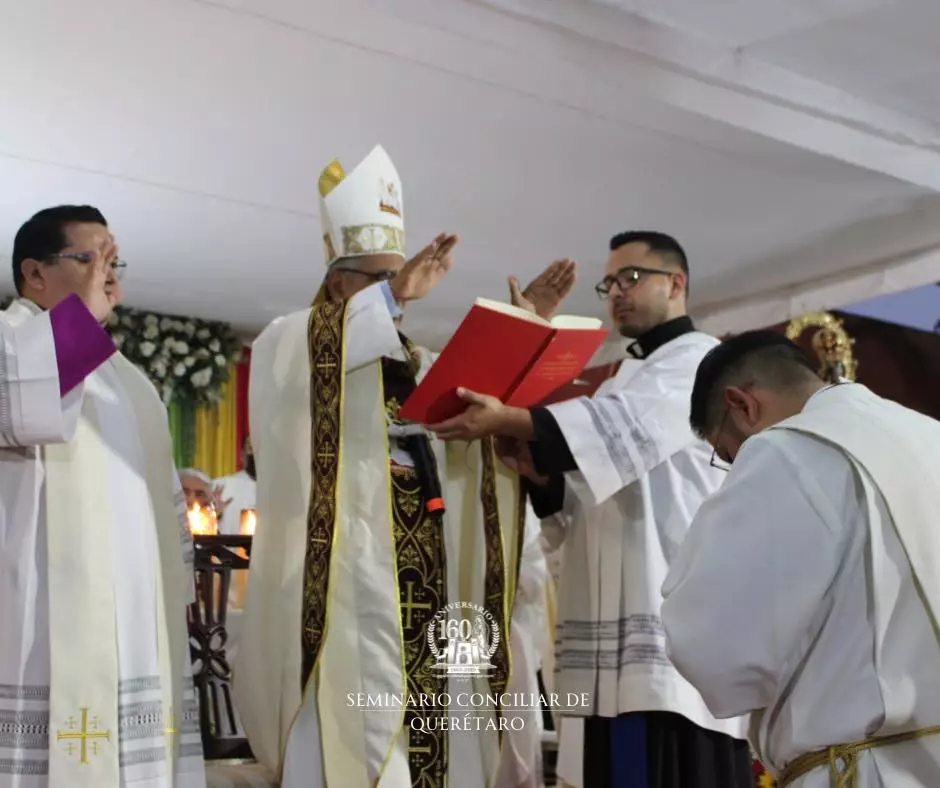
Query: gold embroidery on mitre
[(389, 199), (328, 249), (363, 239), (331, 177)]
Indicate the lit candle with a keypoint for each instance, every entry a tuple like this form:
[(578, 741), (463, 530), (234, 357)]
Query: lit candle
[(248, 522), (201, 521), (239, 585)]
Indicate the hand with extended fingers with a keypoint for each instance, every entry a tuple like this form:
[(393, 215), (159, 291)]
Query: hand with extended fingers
[(545, 293), (423, 271)]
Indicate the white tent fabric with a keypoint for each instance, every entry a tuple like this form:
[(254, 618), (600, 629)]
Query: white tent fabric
[(793, 146)]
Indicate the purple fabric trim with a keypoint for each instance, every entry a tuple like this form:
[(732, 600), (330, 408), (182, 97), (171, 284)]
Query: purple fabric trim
[(81, 344)]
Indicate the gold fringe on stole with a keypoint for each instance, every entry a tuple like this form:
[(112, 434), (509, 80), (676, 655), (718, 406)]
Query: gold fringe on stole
[(496, 586), (327, 366)]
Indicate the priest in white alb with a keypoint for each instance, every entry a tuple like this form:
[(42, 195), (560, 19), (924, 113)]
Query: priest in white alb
[(367, 529), (237, 492), (618, 477), (95, 679), (807, 593)]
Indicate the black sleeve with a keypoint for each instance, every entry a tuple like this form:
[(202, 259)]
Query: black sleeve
[(547, 500), (550, 452)]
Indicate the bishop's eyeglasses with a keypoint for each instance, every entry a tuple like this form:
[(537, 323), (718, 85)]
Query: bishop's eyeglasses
[(374, 276)]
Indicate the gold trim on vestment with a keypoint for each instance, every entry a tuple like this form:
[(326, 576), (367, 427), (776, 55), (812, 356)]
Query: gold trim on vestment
[(389, 502), (520, 547), (496, 588), (842, 759), (421, 585), (326, 349)]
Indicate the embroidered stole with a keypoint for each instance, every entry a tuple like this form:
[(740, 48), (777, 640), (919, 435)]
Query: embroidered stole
[(418, 542), (83, 728)]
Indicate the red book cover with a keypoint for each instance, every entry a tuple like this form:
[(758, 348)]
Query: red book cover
[(504, 352), (587, 382)]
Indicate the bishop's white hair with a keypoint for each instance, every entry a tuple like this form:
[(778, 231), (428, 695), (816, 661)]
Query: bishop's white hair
[(195, 473)]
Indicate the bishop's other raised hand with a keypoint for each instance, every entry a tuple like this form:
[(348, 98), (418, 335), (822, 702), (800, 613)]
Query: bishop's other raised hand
[(219, 501), (423, 271), (544, 294)]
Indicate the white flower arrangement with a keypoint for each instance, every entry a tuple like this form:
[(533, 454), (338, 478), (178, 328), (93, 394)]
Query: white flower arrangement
[(187, 359)]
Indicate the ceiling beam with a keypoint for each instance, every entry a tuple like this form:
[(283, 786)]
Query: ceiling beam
[(509, 43), (876, 257)]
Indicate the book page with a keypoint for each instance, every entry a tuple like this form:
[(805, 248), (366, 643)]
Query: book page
[(559, 321), (509, 309), (571, 321)]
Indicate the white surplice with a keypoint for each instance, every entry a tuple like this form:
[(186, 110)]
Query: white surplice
[(642, 476), (794, 598), (310, 734), (521, 756), (242, 489), (92, 634)]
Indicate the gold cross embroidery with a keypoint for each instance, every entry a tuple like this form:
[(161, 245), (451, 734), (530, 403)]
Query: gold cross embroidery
[(410, 605), (83, 735), (327, 366)]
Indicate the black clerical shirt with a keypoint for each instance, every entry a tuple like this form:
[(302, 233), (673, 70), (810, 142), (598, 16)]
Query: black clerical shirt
[(550, 453)]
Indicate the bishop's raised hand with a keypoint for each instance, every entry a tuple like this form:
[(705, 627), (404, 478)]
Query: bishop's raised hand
[(423, 271), (545, 293)]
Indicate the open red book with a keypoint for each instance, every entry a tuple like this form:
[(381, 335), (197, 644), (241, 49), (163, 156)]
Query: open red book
[(508, 353)]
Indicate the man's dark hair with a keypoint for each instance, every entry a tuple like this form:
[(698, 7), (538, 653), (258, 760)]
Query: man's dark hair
[(763, 357), (667, 247), (44, 235)]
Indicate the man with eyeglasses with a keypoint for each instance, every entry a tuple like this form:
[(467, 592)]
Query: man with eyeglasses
[(367, 528), (95, 676), (619, 477), (807, 593)]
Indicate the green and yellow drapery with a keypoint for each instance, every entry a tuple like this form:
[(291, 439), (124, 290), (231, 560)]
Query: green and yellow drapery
[(206, 438)]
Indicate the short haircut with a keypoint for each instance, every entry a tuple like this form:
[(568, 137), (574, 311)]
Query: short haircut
[(664, 245), (667, 247), (44, 235), (763, 357)]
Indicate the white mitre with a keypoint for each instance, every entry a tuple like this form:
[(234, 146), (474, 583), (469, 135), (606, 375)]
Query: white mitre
[(362, 212)]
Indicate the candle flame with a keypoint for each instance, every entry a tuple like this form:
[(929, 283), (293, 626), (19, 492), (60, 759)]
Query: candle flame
[(248, 521), (201, 522)]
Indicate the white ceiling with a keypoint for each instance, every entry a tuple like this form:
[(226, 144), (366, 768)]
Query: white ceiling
[(793, 147)]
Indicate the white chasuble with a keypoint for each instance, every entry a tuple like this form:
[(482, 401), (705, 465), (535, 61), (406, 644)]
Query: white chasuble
[(324, 594), (95, 681), (642, 474), (817, 564)]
